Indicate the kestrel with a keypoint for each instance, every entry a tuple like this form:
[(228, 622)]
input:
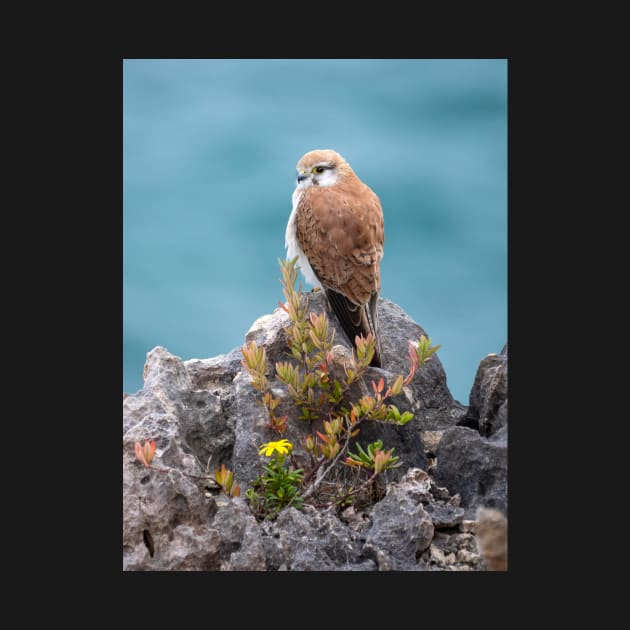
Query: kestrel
[(336, 230)]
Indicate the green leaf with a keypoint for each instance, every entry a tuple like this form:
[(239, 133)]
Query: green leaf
[(406, 417)]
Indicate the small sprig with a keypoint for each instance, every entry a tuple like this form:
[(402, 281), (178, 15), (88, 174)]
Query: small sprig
[(255, 363), (329, 445), (366, 347), (374, 407), (375, 458), (297, 308), (225, 478), (145, 453), (419, 353)]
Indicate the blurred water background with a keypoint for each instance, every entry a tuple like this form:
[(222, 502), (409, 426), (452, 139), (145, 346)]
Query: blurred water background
[(209, 154)]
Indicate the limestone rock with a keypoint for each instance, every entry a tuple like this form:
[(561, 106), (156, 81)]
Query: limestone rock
[(474, 467), (203, 413), (472, 458)]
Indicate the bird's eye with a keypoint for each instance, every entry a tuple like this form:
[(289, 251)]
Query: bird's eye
[(319, 169)]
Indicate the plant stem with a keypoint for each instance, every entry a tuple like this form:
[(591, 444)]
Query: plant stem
[(343, 449), (362, 487)]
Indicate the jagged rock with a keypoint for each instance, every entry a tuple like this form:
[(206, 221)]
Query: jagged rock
[(309, 540), (203, 413), (432, 404), (474, 467), (169, 512), (401, 529), (488, 410), (445, 515), (472, 458), (241, 539), (453, 552), (431, 440)]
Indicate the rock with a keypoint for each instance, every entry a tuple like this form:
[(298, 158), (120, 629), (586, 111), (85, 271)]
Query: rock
[(488, 410), (169, 512), (466, 557), (241, 540), (472, 458), (203, 413), (432, 404), (453, 552), (165, 524), (444, 516), (417, 484), (309, 540), (431, 440), (401, 529), (437, 555), (492, 538), (474, 467)]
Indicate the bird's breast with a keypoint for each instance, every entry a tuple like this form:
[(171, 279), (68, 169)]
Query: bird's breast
[(292, 243)]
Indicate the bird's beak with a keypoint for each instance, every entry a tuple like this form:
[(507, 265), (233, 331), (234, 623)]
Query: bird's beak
[(302, 175)]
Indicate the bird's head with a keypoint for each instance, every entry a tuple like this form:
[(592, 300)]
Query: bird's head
[(321, 167)]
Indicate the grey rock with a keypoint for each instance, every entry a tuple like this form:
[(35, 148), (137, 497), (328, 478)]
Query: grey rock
[(488, 409), (431, 440), (204, 413), (472, 458), (432, 403), (474, 467), (401, 529), (169, 512), (417, 484), (444, 515), (310, 540), (453, 552), (437, 555), (241, 539)]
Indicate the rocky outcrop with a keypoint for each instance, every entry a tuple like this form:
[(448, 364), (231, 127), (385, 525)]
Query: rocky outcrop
[(203, 413), (487, 412), (427, 396), (472, 458)]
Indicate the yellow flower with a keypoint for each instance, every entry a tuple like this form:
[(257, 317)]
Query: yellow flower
[(282, 446)]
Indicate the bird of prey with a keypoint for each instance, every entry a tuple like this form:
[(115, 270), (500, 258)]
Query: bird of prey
[(336, 230)]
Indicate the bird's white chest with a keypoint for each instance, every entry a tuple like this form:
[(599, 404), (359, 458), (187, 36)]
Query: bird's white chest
[(293, 245)]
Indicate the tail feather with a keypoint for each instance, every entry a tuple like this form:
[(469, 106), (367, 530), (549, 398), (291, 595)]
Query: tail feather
[(357, 320)]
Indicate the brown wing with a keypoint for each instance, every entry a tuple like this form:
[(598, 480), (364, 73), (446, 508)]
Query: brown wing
[(340, 229)]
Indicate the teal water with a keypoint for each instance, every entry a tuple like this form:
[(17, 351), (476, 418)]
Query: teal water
[(209, 154)]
